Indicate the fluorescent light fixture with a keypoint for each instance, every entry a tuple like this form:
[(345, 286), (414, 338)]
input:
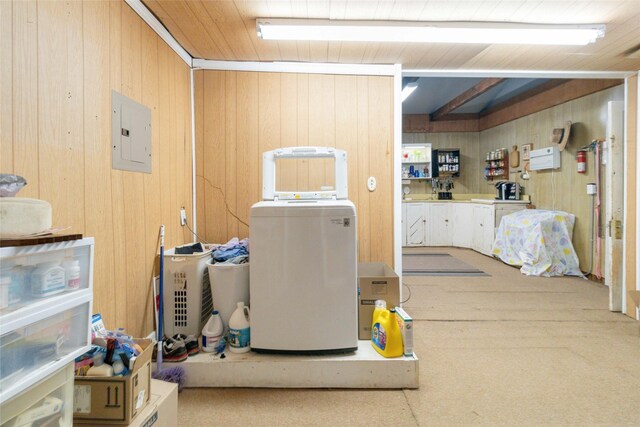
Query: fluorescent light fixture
[(408, 90), (428, 32)]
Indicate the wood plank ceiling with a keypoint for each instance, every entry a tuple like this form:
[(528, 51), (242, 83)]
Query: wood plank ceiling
[(225, 30)]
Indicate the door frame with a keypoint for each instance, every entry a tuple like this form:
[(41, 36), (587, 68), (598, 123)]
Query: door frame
[(637, 239), (454, 73), (612, 278)]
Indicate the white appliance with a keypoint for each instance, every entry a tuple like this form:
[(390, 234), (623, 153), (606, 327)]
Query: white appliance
[(303, 274), (544, 158)]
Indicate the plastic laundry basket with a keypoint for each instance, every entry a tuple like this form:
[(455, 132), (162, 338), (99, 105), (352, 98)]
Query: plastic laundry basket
[(187, 292), (229, 285)]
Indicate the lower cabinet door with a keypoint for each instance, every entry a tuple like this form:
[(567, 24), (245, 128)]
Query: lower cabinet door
[(462, 227), (404, 224), (483, 221), (440, 225), (416, 222)]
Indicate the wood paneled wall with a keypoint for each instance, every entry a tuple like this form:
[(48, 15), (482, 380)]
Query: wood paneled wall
[(59, 62), (631, 270), (240, 115), (469, 145), (562, 189)]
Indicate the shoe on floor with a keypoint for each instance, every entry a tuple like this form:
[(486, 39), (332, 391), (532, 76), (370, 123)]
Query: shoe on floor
[(190, 342), (174, 350)]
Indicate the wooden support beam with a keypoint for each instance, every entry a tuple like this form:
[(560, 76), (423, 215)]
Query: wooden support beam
[(568, 91), (524, 96), (421, 123), (465, 97), (459, 116)]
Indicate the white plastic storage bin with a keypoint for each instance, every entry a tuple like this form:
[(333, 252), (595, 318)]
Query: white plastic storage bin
[(41, 331), (32, 347), (229, 285), (31, 274), (49, 402), (187, 293)]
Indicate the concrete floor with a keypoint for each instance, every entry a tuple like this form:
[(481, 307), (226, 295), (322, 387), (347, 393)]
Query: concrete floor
[(499, 350)]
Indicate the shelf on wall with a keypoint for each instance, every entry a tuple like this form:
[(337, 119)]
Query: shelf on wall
[(505, 173)]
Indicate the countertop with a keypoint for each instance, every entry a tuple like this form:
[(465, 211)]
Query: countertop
[(495, 202), (485, 201)]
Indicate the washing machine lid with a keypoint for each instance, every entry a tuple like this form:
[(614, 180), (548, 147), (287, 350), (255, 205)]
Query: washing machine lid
[(293, 208), (339, 191)]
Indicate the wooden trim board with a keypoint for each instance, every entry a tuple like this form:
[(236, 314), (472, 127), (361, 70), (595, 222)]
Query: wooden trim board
[(422, 123), (631, 213)]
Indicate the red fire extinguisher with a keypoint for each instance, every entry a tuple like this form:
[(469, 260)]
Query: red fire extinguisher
[(581, 157)]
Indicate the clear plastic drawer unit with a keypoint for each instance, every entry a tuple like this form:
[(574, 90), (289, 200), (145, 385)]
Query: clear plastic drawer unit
[(48, 403), (45, 310)]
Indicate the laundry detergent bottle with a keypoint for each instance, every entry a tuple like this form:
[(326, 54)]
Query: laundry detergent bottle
[(239, 330), (379, 306), (212, 332), (386, 337)]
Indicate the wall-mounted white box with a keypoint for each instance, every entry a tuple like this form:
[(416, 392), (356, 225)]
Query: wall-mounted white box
[(544, 158), (130, 134)]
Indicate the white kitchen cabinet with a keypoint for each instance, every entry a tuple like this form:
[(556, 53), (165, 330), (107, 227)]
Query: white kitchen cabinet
[(416, 219), (483, 228), (465, 225), (462, 225), (404, 224), (440, 224)]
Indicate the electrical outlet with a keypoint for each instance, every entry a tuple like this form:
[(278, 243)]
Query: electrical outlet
[(183, 216)]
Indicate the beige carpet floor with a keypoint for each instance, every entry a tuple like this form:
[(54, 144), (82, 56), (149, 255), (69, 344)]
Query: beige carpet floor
[(503, 350)]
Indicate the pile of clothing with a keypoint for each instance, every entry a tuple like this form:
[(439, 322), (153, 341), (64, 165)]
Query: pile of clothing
[(235, 251)]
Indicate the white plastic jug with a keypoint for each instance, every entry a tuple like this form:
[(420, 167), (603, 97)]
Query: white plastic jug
[(239, 330), (212, 332)]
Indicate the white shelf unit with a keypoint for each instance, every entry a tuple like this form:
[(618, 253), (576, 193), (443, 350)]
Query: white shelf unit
[(41, 335), (419, 156)]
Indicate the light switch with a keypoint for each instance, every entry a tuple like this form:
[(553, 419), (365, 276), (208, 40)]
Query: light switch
[(130, 134)]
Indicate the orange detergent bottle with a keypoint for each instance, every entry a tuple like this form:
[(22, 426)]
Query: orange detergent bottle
[(386, 337)]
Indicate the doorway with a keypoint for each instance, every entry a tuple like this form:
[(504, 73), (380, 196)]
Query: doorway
[(478, 113)]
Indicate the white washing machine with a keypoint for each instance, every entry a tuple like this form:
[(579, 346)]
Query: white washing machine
[(303, 283)]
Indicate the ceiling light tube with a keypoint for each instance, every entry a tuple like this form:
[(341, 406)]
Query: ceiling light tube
[(428, 32), (408, 90)]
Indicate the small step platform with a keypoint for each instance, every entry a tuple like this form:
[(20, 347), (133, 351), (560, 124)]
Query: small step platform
[(362, 369)]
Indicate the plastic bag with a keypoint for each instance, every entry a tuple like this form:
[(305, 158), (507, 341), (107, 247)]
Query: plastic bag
[(11, 184)]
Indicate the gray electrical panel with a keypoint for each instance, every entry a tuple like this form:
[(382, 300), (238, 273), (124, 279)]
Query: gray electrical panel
[(130, 134)]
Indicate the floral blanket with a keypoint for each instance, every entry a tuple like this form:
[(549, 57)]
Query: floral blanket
[(539, 242)]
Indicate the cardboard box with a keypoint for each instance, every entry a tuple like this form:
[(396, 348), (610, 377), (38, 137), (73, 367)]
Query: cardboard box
[(114, 400), (162, 409), (376, 280), (405, 322)]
